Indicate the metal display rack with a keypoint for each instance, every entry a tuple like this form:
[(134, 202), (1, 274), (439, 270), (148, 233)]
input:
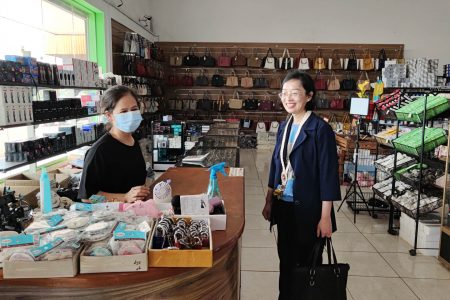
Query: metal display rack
[(163, 149), (426, 92)]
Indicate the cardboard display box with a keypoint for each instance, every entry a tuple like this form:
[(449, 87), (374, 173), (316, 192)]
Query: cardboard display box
[(116, 263), (42, 269), (181, 258), (24, 179)]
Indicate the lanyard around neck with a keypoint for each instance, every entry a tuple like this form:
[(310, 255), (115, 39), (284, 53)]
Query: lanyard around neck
[(283, 143)]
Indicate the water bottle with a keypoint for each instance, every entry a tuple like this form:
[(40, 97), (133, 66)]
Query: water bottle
[(45, 193)]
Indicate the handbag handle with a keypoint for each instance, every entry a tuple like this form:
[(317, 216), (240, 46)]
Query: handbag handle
[(367, 54), (319, 75), (191, 51), (352, 54), (302, 54), (269, 52), (366, 75), (382, 54), (319, 53), (335, 55)]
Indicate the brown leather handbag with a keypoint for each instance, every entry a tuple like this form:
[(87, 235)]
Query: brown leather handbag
[(335, 61), (275, 83), (367, 63), (175, 59), (239, 60), (319, 61), (333, 83), (247, 81), (254, 61), (232, 80), (235, 102)]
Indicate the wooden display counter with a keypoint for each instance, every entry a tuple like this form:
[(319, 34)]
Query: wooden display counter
[(222, 281)]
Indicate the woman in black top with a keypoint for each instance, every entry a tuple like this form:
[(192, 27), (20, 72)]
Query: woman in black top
[(114, 167)]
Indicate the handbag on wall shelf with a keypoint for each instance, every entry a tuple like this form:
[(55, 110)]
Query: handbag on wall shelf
[(348, 84), (286, 62), (319, 61), (202, 79), (224, 60), (235, 102), (190, 60), (232, 80), (335, 63), (269, 61), (207, 60), (187, 79), (302, 61), (254, 61), (217, 80), (319, 82), (239, 60), (247, 80), (352, 62), (367, 61), (333, 83), (175, 60)]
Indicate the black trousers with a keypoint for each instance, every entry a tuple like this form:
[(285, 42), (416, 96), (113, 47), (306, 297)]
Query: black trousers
[(294, 245)]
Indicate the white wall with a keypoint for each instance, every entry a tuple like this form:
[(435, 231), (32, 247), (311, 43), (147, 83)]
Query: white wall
[(423, 26)]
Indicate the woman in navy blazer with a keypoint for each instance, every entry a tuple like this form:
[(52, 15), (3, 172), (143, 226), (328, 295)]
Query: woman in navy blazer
[(308, 215)]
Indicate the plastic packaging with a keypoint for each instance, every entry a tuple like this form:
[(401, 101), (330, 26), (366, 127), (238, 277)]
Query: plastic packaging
[(45, 192)]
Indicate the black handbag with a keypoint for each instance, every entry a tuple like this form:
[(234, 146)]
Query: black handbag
[(261, 82), (352, 64), (348, 84), (205, 103), (320, 281), (217, 80), (207, 60), (202, 79), (251, 104), (381, 59), (190, 60)]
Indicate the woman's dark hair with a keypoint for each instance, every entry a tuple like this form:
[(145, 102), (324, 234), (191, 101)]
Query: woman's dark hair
[(114, 94), (307, 83)]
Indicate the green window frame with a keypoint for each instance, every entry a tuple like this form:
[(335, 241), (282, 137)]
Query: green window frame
[(96, 30)]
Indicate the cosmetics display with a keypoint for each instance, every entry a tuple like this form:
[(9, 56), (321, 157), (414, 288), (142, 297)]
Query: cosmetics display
[(15, 105)]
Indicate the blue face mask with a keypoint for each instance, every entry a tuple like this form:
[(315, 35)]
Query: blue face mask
[(129, 121)]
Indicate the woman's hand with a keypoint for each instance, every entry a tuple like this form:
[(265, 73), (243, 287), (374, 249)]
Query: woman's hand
[(137, 193), (324, 228), (266, 210)]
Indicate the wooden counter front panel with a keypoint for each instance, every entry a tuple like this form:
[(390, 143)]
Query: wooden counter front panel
[(220, 280)]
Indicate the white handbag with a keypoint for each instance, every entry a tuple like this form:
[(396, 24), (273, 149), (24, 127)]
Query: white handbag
[(303, 61), (127, 42), (133, 44), (274, 127), (260, 127), (270, 62)]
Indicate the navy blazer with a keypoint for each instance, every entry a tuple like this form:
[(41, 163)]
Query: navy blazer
[(314, 161)]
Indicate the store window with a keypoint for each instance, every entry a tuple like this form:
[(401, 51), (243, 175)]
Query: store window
[(53, 31)]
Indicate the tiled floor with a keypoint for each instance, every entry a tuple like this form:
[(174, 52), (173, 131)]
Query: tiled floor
[(380, 266)]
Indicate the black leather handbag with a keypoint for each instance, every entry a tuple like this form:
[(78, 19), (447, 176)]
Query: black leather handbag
[(205, 103), (381, 59), (217, 80), (202, 79), (348, 84), (190, 60), (352, 64), (261, 82), (207, 60), (320, 281), (251, 104)]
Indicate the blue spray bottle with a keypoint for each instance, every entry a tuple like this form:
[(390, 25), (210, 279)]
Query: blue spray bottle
[(214, 196), (45, 194)]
